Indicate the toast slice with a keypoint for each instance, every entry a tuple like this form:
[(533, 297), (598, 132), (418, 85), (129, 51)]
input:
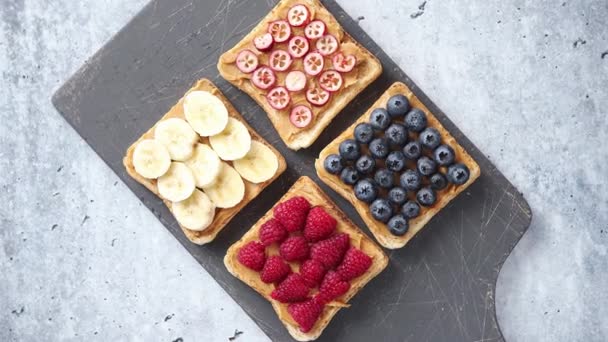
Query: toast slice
[(307, 188), (379, 229), (368, 68), (222, 216)]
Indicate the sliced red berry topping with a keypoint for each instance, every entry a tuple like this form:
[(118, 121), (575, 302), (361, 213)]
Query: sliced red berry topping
[(275, 270), (327, 45), (295, 248), (292, 289), (300, 116), (319, 225), (298, 15), (263, 78), (344, 63), (263, 42), (252, 255), (280, 60), (295, 80), (246, 61), (332, 287), (305, 313), (312, 271), (280, 30), (331, 80), (315, 29), (313, 63), (292, 213), (355, 263), (298, 46), (272, 231), (317, 96), (278, 98), (330, 251)]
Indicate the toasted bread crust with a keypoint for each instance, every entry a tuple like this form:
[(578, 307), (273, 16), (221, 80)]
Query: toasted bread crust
[(222, 216), (379, 229), (307, 188), (369, 69)]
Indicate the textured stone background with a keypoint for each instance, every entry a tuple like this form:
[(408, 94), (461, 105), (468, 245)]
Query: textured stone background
[(81, 259)]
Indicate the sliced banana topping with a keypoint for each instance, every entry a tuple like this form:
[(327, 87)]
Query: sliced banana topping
[(205, 165), (177, 135), (196, 212), (228, 189), (258, 165), (205, 112), (177, 184), (151, 159), (233, 142)]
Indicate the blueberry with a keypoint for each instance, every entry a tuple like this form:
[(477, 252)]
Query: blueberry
[(426, 166), (364, 133), (379, 119), (381, 210), (438, 181), (366, 190), (410, 180), (379, 148), (410, 209), (365, 164), (384, 178), (415, 120), (395, 161), (430, 138), (396, 134), (397, 196), (458, 174), (349, 175), (397, 105), (412, 150), (426, 196), (444, 155), (398, 225), (349, 149), (333, 164)]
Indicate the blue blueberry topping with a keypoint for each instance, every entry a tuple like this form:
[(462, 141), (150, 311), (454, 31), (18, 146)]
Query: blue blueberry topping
[(458, 174), (426, 166), (444, 155), (349, 149), (438, 181), (397, 106), (397, 196), (396, 134), (364, 133), (379, 148), (349, 175), (384, 178), (426, 196), (430, 138), (381, 210), (333, 164), (395, 161), (365, 164), (366, 190), (379, 119), (410, 180), (412, 150), (410, 209), (398, 225), (415, 120)]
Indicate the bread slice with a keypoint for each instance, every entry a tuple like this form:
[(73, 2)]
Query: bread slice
[(367, 70), (379, 229), (307, 188), (222, 216)]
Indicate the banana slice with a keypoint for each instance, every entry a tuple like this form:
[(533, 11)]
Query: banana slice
[(177, 184), (177, 135), (233, 142), (228, 189), (259, 165), (205, 112), (205, 165), (196, 212), (151, 159)]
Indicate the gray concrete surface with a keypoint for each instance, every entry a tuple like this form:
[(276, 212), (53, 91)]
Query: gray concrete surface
[(81, 259)]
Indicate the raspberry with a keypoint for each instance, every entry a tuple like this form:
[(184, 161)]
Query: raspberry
[(295, 248), (252, 255), (332, 287), (275, 270), (292, 289), (319, 225), (292, 213), (312, 271), (305, 313), (355, 263), (330, 251), (272, 231)]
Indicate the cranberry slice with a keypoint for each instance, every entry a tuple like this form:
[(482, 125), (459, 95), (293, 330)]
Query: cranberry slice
[(300, 116), (330, 80), (263, 42), (327, 45), (263, 78), (280, 60), (317, 96), (298, 46), (313, 63), (344, 63), (298, 15), (246, 61), (278, 98), (280, 30), (315, 29)]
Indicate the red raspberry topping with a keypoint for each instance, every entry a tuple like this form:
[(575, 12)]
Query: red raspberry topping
[(319, 225), (253, 255), (312, 271), (292, 213), (275, 270), (292, 289), (305, 313), (329, 252), (332, 287), (272, 231), (295, 248), (355, 263)]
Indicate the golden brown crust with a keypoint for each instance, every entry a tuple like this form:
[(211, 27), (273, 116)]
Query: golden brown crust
[(379, 229), (366, 71), (311, 191), (222, 216)]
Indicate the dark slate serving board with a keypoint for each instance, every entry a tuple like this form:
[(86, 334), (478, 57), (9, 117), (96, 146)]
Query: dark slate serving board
[(440, 287)]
